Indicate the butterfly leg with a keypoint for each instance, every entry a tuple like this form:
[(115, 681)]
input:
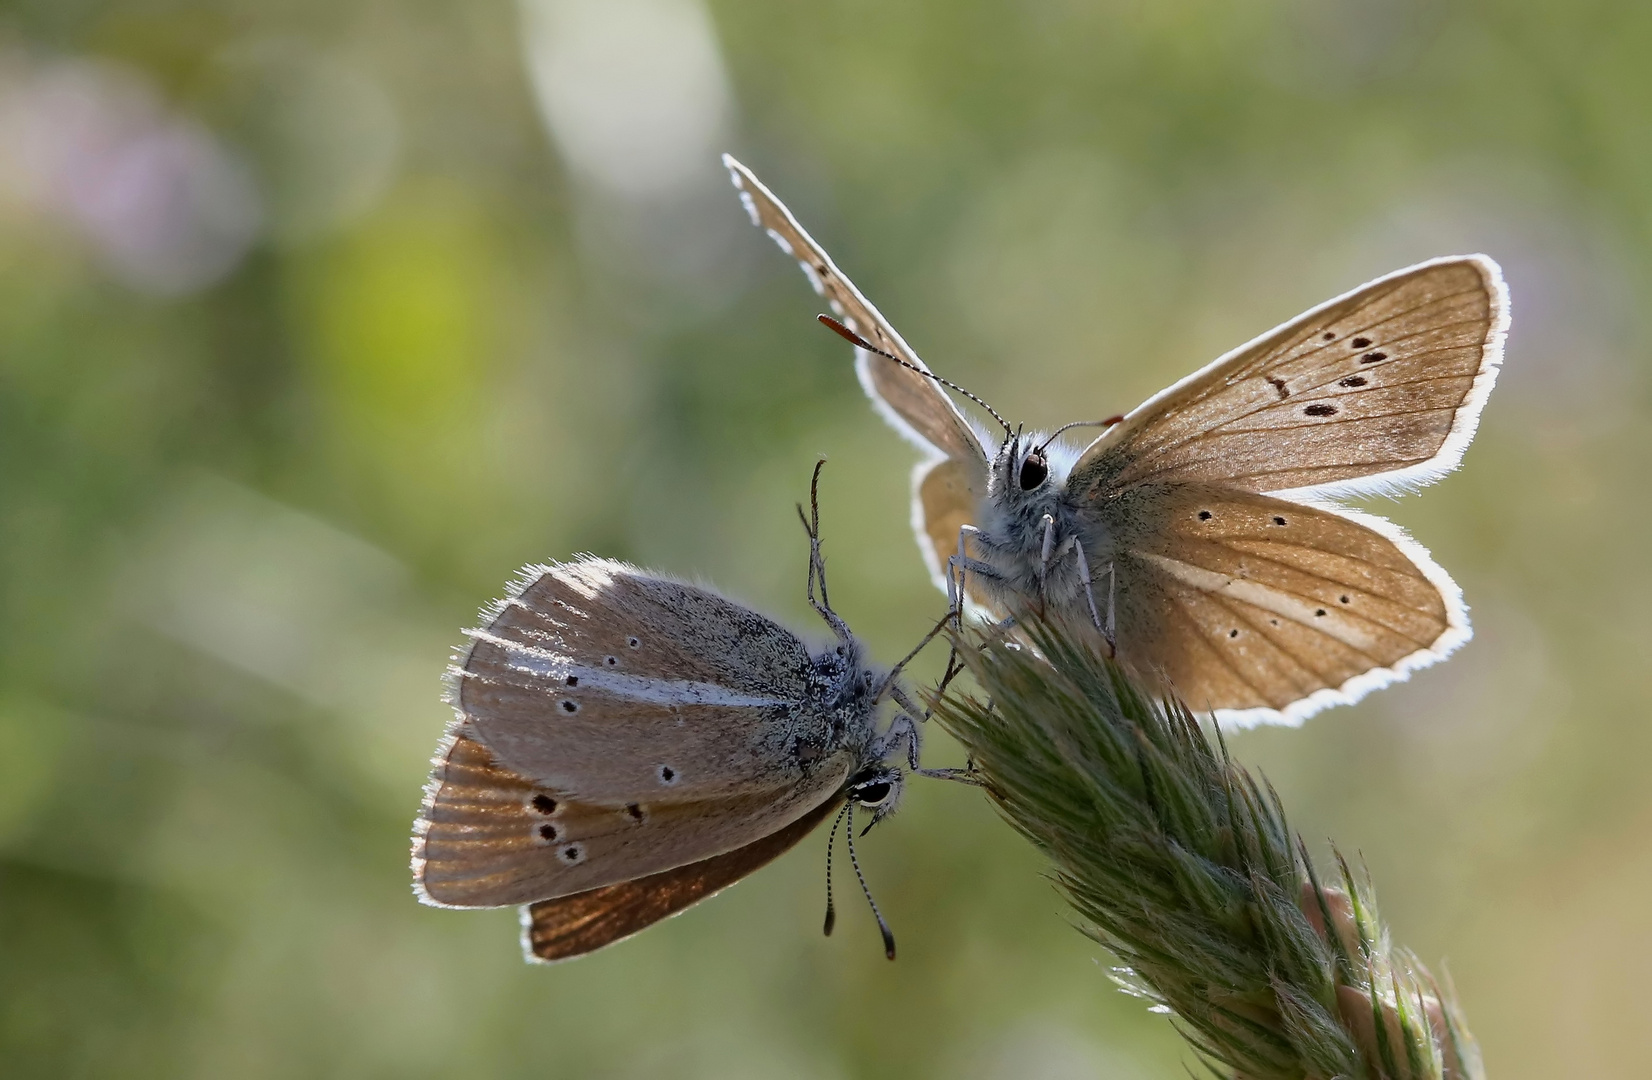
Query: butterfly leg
[(1046, 552), (1112, 639), (900, 697), (817, 561), (954, 668), (1050, 553), (897, 693), (979, 569), (1090, 596), (966, 775), (904, 729), (889, 683), (957, 776), (955, 577), (958, 566)]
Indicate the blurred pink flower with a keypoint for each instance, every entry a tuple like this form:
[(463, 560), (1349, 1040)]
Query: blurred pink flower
[(168, 208)]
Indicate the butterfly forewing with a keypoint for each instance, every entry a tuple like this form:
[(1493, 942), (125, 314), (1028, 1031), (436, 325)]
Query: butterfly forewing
[(1378, 389), (594, 611), (602, 681), (1245, 602), (614, 724), (489, 837), (569, 926), (913, 402)]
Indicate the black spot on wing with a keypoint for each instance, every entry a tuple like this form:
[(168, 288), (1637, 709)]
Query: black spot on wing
[(1320, 409), (1352, 380), (1361, 343), (1279, 385), (1373, 358)]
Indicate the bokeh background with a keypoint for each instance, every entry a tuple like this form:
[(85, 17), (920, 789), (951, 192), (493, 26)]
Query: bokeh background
[(317, 319)]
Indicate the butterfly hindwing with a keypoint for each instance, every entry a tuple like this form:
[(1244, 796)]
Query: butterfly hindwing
[(569, 926), (489, 837), (1377, 390), (945, 494), (1243, 601)]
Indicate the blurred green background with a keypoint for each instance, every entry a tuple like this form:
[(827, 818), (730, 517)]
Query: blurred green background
[(317, 319)]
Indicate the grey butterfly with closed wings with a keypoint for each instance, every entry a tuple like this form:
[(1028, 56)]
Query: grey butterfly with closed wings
[(626, 744), (1196, 535)]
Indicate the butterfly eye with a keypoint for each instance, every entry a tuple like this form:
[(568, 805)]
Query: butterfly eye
[(1034, 469), (873, 794)]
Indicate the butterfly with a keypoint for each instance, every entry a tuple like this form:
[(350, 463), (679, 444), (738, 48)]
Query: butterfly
[(626, 744), (1196, 536)]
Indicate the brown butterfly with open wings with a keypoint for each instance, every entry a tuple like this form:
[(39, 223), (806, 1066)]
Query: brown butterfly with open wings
[(1196, 536)]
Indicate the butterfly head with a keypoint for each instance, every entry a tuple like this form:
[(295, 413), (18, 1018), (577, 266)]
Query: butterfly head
[(877, 788), (1034, 470), (1030, 465), (1021, 469)]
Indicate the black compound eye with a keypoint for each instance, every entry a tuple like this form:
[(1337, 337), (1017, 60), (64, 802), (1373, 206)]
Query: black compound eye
[(874, 793), (1034, 469)]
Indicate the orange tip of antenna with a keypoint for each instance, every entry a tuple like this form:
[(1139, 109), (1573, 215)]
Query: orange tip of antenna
[(845, 333)]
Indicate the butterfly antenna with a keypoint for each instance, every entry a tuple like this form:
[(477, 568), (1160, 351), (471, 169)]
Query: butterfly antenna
[(831, 840), (883, 927), (1109, 422), (861, 343)]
